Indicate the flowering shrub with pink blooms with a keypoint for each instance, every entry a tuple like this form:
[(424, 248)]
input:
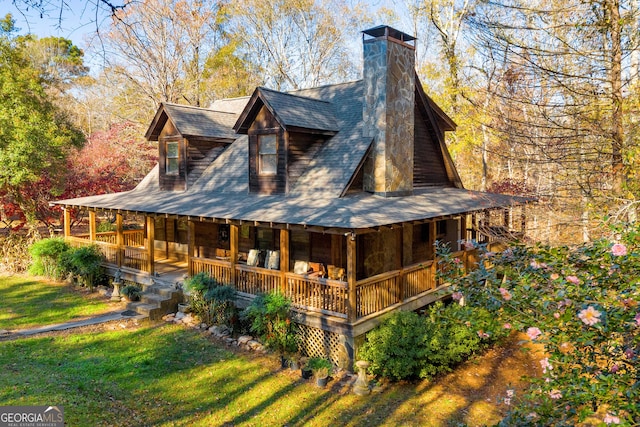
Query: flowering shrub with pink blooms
[(582, 304)]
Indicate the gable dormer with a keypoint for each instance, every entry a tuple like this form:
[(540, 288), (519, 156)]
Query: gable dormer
[(189, 139), (285, 131)]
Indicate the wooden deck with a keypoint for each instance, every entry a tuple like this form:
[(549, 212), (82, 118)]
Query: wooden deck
[(310, 295)]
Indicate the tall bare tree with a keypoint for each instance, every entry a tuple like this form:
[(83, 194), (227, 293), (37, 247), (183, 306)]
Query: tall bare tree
[(563, 94), (300, 43), (159, 47)]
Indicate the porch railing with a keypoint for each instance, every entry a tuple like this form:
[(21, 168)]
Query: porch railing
[(252, 280), (418, 279), (324, 295), (130, 237), (136, 258), (316, 294), (132, 257), (220, 269)]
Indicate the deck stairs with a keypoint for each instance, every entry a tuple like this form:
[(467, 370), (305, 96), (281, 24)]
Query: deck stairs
[(158, 298)]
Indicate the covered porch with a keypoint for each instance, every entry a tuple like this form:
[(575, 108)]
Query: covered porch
[(347, 276)]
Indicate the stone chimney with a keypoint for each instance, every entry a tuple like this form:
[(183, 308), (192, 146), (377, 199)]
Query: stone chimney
[(388, 110)]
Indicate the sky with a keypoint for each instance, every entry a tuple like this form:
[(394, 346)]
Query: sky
[(75, 20), (78, 20)]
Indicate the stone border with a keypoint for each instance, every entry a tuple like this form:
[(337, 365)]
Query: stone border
[(221, 332)]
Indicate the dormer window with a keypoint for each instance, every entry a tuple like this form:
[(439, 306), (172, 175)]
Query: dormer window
[(267, 154), (173, 158)]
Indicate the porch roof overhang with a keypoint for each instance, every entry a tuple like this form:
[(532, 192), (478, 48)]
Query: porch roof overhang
[(360, 211)]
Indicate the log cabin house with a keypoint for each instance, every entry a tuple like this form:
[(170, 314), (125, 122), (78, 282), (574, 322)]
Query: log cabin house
[(333, 195)]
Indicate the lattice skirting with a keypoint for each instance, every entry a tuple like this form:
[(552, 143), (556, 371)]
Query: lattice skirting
[(315, 342)]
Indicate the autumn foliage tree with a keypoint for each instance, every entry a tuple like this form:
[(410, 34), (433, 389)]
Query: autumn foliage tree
[(35, 136)]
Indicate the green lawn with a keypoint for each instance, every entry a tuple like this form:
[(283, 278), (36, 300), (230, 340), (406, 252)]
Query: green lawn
[(27, 302), (166, 375)]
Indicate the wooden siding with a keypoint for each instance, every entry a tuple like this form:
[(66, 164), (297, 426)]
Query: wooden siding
[(428, 166), (266, 123), (422, 244), (200, 154), (301, 150), (171, 182)]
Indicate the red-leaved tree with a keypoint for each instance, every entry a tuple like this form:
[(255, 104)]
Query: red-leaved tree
[(111, 161)]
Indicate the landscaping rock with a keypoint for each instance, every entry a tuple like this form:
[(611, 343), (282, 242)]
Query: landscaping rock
[(179, 316), (244, 339), (219, 331), (255, 345)]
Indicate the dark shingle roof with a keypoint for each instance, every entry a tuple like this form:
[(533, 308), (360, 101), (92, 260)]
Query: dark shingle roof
[(291, 111), (194, 121), (354, 211), (318, 196)]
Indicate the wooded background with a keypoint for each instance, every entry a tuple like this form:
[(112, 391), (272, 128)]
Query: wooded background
[(545, 92)]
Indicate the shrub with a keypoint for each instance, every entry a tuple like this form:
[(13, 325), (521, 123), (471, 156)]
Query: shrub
[(85, 262), (270, 318), (582, 304), (47, 256), (408, 345), (105, 226), (196, 288), (396, 348), (222, 306), (320, 366), (132, 292)]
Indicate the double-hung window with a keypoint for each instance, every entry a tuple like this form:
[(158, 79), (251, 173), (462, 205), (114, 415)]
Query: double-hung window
[(267, 154), (173, 158)]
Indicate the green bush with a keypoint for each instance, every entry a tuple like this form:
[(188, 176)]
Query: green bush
[(320, 366), (222, 306), (270, 318), (132, 292), (85, 262), (582, 305), (196, 288), (47, 258), (408, 345)]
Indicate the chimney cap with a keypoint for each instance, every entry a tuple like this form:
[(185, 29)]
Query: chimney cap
[(385, 30)]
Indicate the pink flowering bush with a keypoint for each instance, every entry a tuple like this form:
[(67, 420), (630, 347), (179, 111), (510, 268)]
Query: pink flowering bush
[(583, 305)]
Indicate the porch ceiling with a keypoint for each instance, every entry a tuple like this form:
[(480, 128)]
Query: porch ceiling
[(352, 212)]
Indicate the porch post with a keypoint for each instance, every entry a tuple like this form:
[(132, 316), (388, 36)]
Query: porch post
[(191, 239), (151, 237), (352, 313), (432, 240), (119, 241), (92, 226), (234, 245), (67, 222), (284, 258), (407, 255)]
